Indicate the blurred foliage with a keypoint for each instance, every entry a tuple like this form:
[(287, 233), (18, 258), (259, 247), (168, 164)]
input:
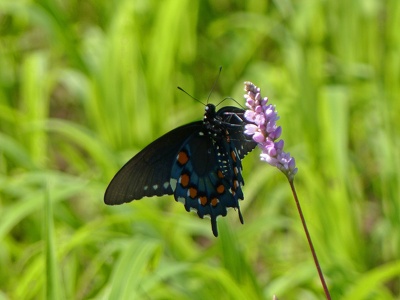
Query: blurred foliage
[(84, 85)]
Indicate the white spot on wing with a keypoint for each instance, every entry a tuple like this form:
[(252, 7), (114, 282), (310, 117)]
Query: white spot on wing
[(181, 200), (145, 187), (166, 185), (172, 182), (155, 186)]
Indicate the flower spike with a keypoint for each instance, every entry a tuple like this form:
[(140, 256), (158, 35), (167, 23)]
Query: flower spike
[(262, 127)]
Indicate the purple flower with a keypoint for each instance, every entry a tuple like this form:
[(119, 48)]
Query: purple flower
[(261, 125)]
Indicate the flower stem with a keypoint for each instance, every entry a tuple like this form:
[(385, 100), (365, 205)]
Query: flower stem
[(310, 243)]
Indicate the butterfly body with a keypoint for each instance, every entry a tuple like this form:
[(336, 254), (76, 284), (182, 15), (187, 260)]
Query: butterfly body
[(199, 163)]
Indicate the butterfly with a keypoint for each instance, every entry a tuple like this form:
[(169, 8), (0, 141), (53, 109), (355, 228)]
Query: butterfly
[(199, 163)]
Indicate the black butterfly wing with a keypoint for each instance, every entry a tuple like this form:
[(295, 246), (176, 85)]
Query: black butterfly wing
[(148, 173)]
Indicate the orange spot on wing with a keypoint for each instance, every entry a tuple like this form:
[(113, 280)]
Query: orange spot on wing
[(182, 158), (233, 155), (220, 189), (192, 192), (220, 174), (235, 170), (214, 202), (203, 200), (235, 184), (184, 180)]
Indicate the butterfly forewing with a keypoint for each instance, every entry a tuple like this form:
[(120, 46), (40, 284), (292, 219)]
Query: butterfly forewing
[(148, 173)]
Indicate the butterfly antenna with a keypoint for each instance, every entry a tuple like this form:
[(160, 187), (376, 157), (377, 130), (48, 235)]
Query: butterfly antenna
[(230, 98), (215, 83), (181, 89)]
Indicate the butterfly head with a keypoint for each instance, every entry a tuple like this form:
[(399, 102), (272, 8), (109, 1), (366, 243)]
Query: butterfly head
[(209, 114)]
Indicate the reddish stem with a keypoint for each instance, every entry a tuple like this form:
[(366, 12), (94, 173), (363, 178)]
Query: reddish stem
[(310, 244)]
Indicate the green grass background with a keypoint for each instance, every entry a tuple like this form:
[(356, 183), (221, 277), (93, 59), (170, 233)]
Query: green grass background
[(84, 85)]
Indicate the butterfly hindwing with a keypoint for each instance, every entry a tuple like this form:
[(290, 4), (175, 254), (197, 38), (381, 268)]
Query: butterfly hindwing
[(207, 173)]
